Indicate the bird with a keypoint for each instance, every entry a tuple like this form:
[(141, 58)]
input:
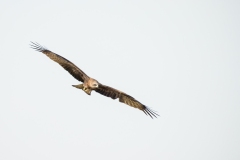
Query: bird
[(90, 84)]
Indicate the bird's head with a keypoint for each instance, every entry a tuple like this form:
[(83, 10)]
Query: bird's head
[(93, 83)]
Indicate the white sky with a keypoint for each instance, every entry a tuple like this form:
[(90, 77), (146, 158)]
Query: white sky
[(179, 58)]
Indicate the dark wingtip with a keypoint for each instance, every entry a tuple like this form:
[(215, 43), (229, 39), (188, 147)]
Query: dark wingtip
[(37, 47), (151, 113)]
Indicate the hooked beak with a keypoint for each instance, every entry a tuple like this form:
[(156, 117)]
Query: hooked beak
[(88, 91)]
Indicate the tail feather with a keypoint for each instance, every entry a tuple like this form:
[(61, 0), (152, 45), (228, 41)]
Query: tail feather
[(79, 86)]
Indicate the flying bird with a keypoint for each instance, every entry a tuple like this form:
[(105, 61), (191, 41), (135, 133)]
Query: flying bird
[(89, 84)]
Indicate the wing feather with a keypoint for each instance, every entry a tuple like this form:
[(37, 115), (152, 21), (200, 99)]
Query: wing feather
[(125, 98), (66, 64)]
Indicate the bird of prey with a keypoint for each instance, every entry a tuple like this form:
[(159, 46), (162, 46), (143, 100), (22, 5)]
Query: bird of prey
[(89, 84)]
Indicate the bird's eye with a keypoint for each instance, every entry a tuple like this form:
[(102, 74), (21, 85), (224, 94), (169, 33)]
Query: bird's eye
[(95, 85)]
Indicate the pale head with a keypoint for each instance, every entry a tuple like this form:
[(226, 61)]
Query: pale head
[(92, 83)]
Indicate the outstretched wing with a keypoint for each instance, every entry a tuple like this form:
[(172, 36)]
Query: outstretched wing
[(124, 98), (66, 64)]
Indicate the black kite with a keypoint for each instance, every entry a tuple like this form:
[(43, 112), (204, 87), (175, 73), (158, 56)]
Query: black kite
[(90, 84)]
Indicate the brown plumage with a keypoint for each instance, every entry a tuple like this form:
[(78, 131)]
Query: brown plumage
[(90, 84)]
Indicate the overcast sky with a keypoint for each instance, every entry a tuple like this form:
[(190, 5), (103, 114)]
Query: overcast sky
[(180, 58)]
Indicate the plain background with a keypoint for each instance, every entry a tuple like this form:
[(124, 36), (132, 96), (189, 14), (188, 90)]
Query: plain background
[(180, 58)]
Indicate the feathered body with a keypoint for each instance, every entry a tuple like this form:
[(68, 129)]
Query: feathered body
[(89, 84)]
